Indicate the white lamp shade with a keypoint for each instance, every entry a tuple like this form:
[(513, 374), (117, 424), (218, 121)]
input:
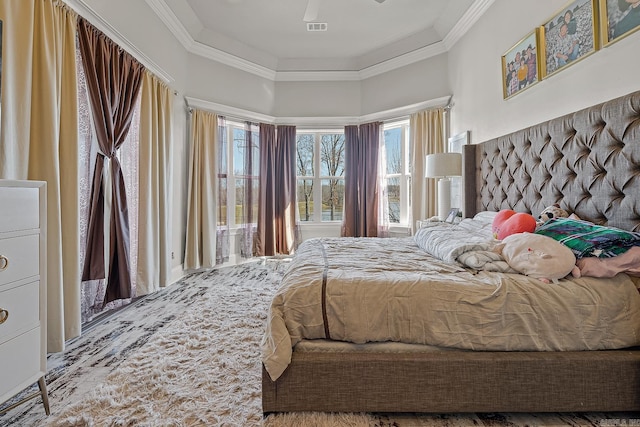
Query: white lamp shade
[(443, 164)]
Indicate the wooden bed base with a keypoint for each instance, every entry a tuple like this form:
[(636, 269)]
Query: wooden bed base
[(457, 381), (588, 162)]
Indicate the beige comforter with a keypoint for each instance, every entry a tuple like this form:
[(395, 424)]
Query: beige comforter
[(364, 290)]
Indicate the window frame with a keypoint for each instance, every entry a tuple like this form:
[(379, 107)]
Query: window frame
[(231, 175), (317, 179), (405, 174)]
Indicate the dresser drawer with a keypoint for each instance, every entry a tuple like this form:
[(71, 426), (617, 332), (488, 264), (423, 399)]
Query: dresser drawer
[(19, 258), (19, 363), (23, 308), (19, 208)]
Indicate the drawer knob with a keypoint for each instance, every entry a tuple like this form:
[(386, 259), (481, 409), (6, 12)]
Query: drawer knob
[(4, 262), (4, 315)]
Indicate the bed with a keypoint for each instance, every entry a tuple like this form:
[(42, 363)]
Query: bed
[(589, 162)]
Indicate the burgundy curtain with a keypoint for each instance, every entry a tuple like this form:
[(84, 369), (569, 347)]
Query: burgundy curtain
[(277, 227), (362, 186), (266, 238), (114, 79)]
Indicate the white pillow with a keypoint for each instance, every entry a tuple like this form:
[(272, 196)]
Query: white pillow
[(485, 216), (537, 256)]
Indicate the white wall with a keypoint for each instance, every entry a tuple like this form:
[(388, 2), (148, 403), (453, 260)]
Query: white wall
[(412, 84), (317, 99), (476, 77)]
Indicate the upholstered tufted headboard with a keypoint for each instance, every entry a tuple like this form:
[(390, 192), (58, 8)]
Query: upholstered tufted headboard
[(587, 161)]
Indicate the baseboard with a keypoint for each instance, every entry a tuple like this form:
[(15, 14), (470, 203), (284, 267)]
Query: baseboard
[(177, 273)]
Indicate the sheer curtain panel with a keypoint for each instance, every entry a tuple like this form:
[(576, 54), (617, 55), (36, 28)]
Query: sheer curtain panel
[(247, 147), (427, 137)]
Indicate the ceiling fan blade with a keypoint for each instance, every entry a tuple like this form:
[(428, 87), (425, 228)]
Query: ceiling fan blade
[(311, 13)]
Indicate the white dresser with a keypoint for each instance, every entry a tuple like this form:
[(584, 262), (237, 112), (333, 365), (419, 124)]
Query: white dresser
[(23, 300)]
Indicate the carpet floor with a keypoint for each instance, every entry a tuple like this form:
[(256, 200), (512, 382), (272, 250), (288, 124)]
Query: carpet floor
[(189, 356)]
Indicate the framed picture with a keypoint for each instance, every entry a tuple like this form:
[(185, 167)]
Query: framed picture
[(453, 213), (618, 19), (570, 35), (455, 146), (520, 65)]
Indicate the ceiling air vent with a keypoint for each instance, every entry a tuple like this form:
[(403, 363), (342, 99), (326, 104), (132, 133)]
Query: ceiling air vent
[(316, 26)]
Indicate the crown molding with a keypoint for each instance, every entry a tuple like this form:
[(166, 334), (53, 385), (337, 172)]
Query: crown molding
[(226, 110), (317, 76), (175, 26), (225, 58), (412, 57), (477, 9), (315, 122), (88, 13)]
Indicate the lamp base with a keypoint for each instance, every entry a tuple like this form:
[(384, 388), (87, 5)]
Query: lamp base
[(444, 198)]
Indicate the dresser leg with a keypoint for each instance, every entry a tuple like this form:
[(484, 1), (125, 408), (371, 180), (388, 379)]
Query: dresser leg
[(45, 397)]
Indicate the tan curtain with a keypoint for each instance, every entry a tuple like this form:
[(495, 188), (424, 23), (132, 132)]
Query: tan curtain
[(277, 228), (427, 137), (362, 185), (113, 80), (155, 178), (39, 141), (202, 196)]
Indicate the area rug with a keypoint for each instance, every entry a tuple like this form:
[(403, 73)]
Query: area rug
[(204, 369)]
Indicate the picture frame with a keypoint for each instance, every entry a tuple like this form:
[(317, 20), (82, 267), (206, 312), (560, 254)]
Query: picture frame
[(569, 36), (453, 213), (455, 146), (520, 65), (618, 19)]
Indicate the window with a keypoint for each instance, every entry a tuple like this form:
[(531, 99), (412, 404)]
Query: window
[(398, 171), (320, 172), (238, 186), (92, 291)]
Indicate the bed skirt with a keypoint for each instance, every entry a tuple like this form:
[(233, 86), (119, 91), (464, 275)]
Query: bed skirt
[(457, 381)]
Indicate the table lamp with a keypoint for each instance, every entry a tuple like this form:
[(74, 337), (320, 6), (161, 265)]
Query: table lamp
[(443, 166)]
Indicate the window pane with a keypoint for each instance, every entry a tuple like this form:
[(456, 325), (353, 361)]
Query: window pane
[(246, 154), (240, 184), (222, 203), (305, 199), (222, 150), (332, 155), (255, 155), (244, 185), (393, 141), (255, 188), (304, 160), (393, 194), (239, 151), (332, 199)]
